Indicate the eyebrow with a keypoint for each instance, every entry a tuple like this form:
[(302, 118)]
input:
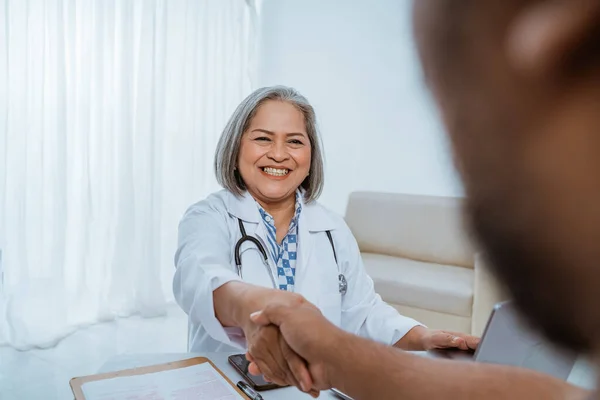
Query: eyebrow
[(273, 133)]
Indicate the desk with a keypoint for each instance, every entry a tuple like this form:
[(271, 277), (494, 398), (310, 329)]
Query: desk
[(583, 374), (219, 359)]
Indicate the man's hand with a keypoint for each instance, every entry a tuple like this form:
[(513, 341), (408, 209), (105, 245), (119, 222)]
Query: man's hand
[(307, 333), (271, 355), (420, 338)]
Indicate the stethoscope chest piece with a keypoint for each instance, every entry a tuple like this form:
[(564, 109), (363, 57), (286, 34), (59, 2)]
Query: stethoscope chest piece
[(343, 284)]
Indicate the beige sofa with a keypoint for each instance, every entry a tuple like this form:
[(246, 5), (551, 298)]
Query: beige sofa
[(417, 252)]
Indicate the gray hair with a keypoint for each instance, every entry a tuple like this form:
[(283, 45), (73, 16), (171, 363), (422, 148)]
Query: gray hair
[(228, 148)]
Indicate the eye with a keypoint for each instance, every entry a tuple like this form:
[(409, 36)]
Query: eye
[(296, 141), (262, 139)]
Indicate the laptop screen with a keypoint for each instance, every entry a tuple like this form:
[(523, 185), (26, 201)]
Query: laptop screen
[(508, 340)]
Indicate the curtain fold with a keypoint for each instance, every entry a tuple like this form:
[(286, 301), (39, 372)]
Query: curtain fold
[(110, 111)]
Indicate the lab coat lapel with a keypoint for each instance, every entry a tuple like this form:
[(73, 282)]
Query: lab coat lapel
[(313, 220), (305, 249), (245, 208), (261, 233)]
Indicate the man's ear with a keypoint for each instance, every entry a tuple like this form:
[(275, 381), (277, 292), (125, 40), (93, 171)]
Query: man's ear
[(545, 36)]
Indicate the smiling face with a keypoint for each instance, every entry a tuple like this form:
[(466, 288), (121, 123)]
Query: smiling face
[(275, 153)]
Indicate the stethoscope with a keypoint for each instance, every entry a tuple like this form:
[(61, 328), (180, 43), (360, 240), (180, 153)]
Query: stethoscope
[(343, 284)]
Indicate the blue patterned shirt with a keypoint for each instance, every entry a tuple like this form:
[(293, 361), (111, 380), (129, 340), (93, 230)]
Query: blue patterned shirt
[(284, 254)]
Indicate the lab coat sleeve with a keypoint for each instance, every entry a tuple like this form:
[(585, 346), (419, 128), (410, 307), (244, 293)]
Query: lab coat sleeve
[(203, 264), (364, 313)]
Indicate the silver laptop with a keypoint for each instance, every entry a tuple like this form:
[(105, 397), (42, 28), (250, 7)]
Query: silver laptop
[(507, 340)]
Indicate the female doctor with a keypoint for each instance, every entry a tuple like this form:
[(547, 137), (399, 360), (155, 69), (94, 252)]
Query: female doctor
[(264, 238)]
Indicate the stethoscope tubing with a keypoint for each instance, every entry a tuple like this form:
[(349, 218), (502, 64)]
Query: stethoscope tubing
[(343, 284)]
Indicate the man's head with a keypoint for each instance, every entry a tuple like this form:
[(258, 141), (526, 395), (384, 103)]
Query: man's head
[(518, 85)]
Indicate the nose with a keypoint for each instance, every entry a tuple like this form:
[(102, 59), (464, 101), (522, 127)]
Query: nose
[(278, 152)]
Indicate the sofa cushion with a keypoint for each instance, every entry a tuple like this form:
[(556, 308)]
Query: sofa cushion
[(435, 287), (425, 228)]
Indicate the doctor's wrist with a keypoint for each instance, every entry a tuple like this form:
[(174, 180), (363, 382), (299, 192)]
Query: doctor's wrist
[(413, 340), (258, 298), (234, 302), (250, 300)]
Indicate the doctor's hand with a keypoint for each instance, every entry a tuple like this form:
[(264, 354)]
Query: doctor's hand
[(270, 353), (421, 338), (308, 333)]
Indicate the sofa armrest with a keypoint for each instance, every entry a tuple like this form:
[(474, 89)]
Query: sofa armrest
[(486, 293)]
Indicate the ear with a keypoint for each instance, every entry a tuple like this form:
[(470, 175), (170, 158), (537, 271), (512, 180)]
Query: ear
[(546, 35)]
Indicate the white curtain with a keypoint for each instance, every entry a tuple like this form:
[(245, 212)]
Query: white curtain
[(110, 111)]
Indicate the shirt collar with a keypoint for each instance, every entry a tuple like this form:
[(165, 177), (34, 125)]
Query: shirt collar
[(268, 218), (314, 217)]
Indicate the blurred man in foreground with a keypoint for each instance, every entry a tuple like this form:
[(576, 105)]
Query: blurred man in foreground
[(518, 86)]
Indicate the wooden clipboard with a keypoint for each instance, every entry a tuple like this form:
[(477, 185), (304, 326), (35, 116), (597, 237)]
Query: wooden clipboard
[(77, 383)]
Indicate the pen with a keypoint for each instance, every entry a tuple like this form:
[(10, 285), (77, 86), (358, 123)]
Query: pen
[(248, 391)]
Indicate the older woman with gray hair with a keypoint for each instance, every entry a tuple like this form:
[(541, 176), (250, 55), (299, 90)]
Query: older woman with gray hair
[(264, 238)]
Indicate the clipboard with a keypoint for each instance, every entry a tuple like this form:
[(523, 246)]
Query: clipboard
[(77, 383)]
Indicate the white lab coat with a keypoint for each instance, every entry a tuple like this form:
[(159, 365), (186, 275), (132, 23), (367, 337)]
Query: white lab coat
[(204, 260)]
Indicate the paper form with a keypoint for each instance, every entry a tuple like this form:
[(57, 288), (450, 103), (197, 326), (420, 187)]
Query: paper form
[(198, 382)]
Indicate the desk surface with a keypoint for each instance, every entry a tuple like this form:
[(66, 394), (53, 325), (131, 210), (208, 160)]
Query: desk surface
[(127, 361), (583, 373)]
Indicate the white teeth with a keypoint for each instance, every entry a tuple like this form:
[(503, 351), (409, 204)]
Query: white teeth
[(276, 171)]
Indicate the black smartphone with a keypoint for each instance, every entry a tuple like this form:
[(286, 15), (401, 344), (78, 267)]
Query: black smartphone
[(257, 382)]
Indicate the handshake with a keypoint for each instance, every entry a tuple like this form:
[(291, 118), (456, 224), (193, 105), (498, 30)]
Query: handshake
[(291, 343), (287, 342)]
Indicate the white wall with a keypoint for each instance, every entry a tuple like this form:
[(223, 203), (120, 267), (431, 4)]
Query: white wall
[(355, 61)]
